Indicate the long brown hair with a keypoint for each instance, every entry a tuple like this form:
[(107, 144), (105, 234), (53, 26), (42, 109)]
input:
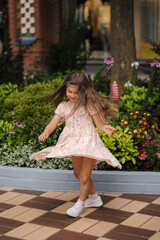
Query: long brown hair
[(87, 95)]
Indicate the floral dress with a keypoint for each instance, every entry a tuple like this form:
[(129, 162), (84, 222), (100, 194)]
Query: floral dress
[(78, 138)]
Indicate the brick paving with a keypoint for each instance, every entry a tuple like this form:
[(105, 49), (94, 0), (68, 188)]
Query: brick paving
[(37, 215)]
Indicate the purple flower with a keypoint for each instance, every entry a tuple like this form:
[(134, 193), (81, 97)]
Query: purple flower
[(147, 165), (144, 143), (19, 125), (155, 64), (11, 132), (109, 61)]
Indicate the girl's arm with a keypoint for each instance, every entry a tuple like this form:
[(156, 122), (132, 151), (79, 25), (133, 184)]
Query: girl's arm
[(101, 126), (50, 127)]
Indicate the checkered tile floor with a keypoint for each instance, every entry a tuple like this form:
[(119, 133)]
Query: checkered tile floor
[(41, 215)]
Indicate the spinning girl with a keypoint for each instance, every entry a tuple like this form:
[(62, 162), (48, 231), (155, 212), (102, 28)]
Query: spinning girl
[(79, 138)]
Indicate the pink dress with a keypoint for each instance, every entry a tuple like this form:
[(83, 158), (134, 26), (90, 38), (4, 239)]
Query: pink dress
[(78, 138)]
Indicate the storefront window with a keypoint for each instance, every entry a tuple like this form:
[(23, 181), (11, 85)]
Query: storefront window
[(98, 15), (147, 24)]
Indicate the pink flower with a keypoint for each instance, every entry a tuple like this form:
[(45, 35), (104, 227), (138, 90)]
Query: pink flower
[(158, 156), (11, 132), (142, 155), (109, 61), (155, 64), (147, 165), (152, 141), (115, 92)]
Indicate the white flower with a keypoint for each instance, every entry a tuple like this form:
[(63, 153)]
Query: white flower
[(135, 64), (128, 84)]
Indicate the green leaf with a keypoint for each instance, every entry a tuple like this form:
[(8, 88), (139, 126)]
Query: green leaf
[(131, 150), (123, 160), (135, 154), (133, 160), (113, 148), (126, 129)]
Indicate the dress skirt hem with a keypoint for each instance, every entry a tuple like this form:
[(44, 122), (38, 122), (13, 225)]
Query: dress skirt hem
[(108, 161)]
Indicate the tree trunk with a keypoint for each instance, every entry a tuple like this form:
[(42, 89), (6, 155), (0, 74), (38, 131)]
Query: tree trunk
[(122, 41)]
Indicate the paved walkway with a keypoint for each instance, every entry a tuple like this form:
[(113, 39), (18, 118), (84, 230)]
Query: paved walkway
[(36, 215)]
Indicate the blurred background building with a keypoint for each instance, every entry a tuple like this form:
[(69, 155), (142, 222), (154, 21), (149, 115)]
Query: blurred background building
[(29, 20)]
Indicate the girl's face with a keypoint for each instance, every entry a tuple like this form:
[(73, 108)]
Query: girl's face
[(72, 92)]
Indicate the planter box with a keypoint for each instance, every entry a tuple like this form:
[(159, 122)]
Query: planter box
[(64, 180)]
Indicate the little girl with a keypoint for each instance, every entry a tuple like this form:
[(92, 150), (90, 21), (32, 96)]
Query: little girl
[(79, 138)]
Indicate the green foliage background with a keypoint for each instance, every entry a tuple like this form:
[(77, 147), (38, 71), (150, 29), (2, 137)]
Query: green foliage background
[(26, 107)]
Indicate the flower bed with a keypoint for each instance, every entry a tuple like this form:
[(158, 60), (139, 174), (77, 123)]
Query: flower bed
[(135, 142)]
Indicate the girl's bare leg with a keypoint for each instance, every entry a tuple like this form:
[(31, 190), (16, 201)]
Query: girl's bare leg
[(82, 170), (84, 177), (77, 166)]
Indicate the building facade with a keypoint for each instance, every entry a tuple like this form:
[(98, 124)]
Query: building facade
[(39, 21)]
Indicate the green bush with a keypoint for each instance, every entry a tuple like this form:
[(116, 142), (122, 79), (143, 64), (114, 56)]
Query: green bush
[(12, 65), (135, 143), (5, 90), (143, 129), (133, 98), (34, 76), (19, 157), (142, 125), (21, 107), (121, 145), (101, 81), (154, 100), (10, 134)]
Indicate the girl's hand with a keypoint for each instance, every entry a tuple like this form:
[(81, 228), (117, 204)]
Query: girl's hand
[(109, 130), (43, 136)]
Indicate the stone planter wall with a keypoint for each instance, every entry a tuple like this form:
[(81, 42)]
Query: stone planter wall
[(64, 180)]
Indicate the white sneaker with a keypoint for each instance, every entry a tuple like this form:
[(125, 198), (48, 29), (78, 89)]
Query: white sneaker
[(76, 210), (93, 203)]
